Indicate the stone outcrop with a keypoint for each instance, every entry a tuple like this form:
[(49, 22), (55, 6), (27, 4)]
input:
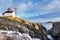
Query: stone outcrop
[(13, 35), (15, 24), (55, 30)]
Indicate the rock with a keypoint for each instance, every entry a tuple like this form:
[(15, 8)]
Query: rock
[(26, 36), (15, 36), (55, 30), (35, 39), (40, 33), (35, 30)]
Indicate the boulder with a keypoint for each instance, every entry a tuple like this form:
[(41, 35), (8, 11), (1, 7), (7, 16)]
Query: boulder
[(55, 30), (15, 36)]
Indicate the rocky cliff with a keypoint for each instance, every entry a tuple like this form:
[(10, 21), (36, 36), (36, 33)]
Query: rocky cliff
[(55, 30), (22, 26), (13, 35)]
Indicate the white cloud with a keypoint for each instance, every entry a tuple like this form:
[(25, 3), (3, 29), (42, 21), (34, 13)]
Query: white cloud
[(45, 20), (7, 3), (22, 6), (52, 6)]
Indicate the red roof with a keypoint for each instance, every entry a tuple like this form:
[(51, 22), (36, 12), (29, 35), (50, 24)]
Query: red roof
[(8, 11)]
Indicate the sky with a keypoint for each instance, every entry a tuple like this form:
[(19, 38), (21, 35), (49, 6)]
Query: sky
[(33, 10)]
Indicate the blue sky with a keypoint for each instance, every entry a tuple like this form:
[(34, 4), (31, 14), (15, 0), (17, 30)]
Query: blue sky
[(33, 10)]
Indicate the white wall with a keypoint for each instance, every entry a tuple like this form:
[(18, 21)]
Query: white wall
[(10, 14), (13, 14)]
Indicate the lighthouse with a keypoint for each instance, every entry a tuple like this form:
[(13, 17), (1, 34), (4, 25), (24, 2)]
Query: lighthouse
[(9, 13)]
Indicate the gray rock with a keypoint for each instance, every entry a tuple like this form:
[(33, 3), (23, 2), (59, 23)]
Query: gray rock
[(12, 35), (55, 30)]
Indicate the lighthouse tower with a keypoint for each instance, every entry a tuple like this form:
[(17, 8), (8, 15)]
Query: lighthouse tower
[(9, 13)]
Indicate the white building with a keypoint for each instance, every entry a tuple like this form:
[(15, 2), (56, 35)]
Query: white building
[(9, 13)]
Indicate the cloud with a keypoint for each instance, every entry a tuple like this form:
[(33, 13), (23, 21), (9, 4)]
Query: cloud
[(38, 20), (22, 6), (38, 7), (55, 4), (7, 3)]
